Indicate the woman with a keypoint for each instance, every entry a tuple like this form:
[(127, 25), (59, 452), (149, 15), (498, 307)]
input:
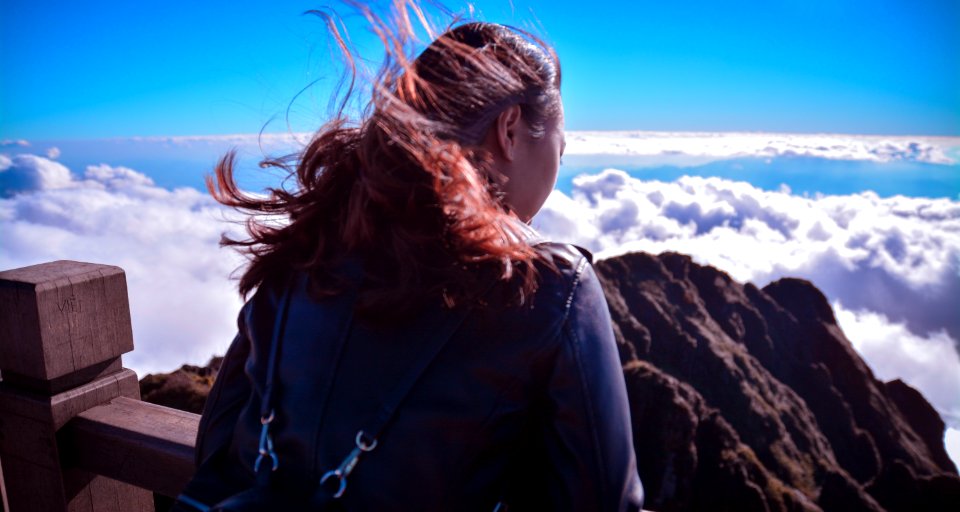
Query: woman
[(434, 353)]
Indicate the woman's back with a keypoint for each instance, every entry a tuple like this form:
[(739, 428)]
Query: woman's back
[(404, 238), (523, 404)]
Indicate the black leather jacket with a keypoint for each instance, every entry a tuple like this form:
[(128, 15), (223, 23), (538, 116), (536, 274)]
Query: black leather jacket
[(524, 406)]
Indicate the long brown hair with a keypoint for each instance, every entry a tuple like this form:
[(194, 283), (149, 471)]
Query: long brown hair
[(407, 188)]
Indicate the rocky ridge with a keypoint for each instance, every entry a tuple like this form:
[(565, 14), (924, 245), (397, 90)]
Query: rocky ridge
[(753, 399)]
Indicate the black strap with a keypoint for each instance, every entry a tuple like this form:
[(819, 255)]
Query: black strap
[(278, 329), (388, 407), (353, 270), (334, 482)]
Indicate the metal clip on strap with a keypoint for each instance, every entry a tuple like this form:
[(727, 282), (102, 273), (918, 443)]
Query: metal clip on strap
[(346, 467), (266, 445), (267, 413)]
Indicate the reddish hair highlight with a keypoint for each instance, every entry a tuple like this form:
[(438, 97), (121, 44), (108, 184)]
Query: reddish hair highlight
[(407, 188)]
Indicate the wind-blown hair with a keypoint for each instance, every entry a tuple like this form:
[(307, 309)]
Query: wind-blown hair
[(407, 187)]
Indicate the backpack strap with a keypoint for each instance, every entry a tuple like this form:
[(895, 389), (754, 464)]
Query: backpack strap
[(334, 482), (267, 413), (353, 270)]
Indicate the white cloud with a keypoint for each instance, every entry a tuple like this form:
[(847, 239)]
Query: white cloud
[(183, 305), (268, 141), (951, 439), (53, 153), (31, 172), (763, 145), (6, 143), (115, 178), (898, 257)]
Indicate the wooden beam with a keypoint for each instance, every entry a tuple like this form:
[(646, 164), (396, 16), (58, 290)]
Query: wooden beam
[(135, 442)]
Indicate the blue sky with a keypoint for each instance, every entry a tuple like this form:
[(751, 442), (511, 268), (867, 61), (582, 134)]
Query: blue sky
[(120, 69)]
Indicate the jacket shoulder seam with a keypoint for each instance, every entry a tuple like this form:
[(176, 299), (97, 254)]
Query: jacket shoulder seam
[(578, 273), (581, 373)]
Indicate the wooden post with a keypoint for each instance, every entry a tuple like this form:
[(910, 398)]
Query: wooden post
[(63, 328)]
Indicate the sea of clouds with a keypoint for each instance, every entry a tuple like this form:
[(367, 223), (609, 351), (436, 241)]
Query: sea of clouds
[(890, 266)]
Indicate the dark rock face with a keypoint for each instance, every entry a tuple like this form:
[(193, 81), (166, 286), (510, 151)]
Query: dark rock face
[(923, 418), (185, 389), (750, 399), (742, 399)]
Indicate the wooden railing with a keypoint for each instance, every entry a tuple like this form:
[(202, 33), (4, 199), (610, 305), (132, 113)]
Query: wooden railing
[(74, 435)]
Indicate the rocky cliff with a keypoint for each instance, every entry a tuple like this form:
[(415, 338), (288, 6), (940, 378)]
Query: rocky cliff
[(752, 399), (742, 399), (185, 389)]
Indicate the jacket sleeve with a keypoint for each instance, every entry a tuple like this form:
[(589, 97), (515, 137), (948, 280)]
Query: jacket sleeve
[(227, 397), (588, 438)]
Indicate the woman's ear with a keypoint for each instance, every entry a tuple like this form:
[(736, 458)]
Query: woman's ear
[(507, 127)]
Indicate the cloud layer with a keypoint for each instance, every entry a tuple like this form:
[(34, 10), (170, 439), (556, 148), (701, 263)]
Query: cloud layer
[(896, 259), (697, 146), (935, 150)]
